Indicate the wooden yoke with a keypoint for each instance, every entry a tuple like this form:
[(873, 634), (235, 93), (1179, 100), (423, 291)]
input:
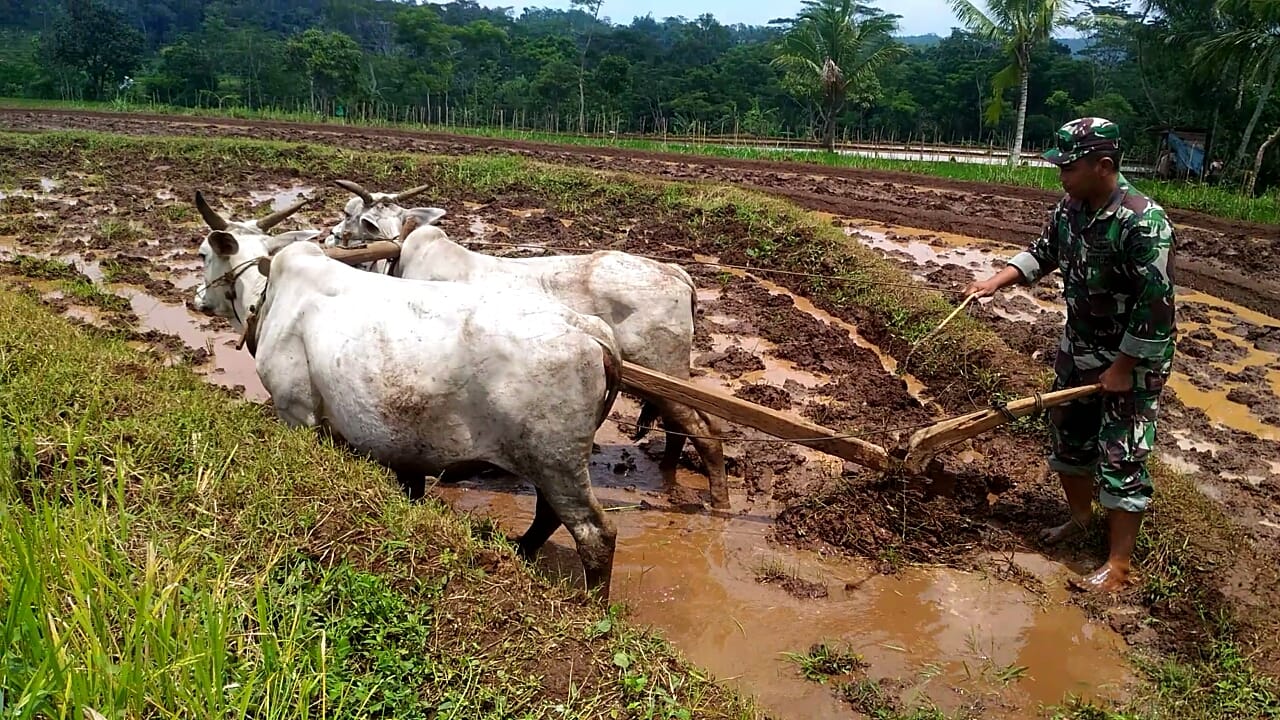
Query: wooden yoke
[(380, 250)]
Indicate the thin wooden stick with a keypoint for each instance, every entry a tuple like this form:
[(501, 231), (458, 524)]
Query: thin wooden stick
[(935, 331)]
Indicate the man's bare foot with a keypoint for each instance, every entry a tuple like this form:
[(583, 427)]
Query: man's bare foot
[(1108, 578), (1073, 528)]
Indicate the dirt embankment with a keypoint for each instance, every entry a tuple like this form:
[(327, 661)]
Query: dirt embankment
[(1228, 258)]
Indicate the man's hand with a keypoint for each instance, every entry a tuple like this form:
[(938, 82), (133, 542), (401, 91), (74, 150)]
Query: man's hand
[(989, 287), (1119, 377)]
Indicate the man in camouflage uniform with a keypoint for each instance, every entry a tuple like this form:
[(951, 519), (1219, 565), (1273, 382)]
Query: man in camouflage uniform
[(1114, 248)]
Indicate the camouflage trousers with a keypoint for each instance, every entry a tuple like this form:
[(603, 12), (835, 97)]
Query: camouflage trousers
[(1107, 436)]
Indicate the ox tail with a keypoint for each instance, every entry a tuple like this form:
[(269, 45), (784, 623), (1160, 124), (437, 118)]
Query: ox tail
[(612, 376), (600, 331)]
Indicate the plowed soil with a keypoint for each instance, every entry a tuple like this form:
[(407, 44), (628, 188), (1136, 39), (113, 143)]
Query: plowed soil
[(1230, 259)]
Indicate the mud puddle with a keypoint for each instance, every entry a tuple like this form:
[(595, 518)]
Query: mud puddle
[(914, 387), (930, 635)]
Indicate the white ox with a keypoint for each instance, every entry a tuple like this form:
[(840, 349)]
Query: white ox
[(426, 377), (649, 305)]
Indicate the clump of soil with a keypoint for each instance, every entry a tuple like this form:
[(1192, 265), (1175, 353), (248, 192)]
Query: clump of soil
[(770, 396), (951, 277), (734, 361), (889, 520), (794, 585)]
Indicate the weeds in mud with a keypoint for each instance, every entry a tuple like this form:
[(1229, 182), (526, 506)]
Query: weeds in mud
[(175, 213), (164, 544), (17, 205), (824, 661), (44, 269), (1179, 690), (773, 572), (119, 232), (90, 294)]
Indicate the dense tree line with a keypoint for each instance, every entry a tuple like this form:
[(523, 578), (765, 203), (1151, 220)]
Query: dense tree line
[(833, 72)]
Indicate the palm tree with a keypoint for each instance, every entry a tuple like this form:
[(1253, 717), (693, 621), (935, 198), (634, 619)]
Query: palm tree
[(1251, 37), (1018, 26), (831, 46)]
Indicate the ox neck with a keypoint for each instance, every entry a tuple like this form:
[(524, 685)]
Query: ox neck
[(251, 290)]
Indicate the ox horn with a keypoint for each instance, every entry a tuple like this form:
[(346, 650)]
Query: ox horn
[(278, 217), (211, 217), (411, 192), (355, 189)]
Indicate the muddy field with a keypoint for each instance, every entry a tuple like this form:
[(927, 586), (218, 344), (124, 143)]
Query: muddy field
[(814, 549), (1230, 259)]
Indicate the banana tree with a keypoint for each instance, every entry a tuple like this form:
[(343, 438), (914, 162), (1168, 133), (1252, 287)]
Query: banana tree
[(1018, 26), (831, 47)]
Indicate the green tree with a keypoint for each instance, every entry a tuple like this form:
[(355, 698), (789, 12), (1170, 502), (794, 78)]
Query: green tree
[(96, 40), (1019, 26), (831, 46), (1252, 40), (184, 71), (332, 62)]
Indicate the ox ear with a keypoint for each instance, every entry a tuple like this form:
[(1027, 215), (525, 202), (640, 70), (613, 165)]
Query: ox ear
[(264, 266), (278, 242), (370, 227), (223, 243), (427, 215)]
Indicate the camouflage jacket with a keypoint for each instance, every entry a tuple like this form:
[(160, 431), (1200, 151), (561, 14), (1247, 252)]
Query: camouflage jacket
[(1117, 271)]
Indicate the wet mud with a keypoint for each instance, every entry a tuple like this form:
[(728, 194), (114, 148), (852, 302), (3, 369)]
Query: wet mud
[(1226, 257)]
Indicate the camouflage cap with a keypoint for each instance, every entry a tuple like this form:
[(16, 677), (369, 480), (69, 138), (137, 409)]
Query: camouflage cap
[(1081, 137)]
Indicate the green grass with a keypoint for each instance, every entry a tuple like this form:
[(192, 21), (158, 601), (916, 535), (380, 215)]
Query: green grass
[(169, 551), (1218, 201)]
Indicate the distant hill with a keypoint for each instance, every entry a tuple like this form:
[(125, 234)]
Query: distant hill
[(1076, 45)]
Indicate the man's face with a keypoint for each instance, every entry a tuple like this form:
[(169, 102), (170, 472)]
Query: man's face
[(1083, 178)]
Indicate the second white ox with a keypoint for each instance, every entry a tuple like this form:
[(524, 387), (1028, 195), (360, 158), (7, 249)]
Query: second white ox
[(650, 305), (436, 376)]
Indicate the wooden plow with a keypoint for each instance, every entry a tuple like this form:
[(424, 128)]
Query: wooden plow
[(917, 457)]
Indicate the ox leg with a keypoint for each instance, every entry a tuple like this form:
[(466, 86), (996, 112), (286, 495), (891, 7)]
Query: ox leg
[(414, 482), (593, 532), (685, 419), (545, 523)]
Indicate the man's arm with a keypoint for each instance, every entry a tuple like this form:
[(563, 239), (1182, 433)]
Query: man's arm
[(1146, 261), (1038, 260)]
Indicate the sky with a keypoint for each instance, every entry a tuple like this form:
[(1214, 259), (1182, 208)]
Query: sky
[(919, 17)]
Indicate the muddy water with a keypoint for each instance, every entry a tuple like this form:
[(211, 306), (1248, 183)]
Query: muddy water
[(231, 367), (981, 259), (944, 634)]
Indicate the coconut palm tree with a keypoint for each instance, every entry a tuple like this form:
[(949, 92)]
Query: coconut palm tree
[(1018, 26), (832, 46), (1250, 36)]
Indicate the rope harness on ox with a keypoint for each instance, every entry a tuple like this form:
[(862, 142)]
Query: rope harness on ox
[(250, 321)]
